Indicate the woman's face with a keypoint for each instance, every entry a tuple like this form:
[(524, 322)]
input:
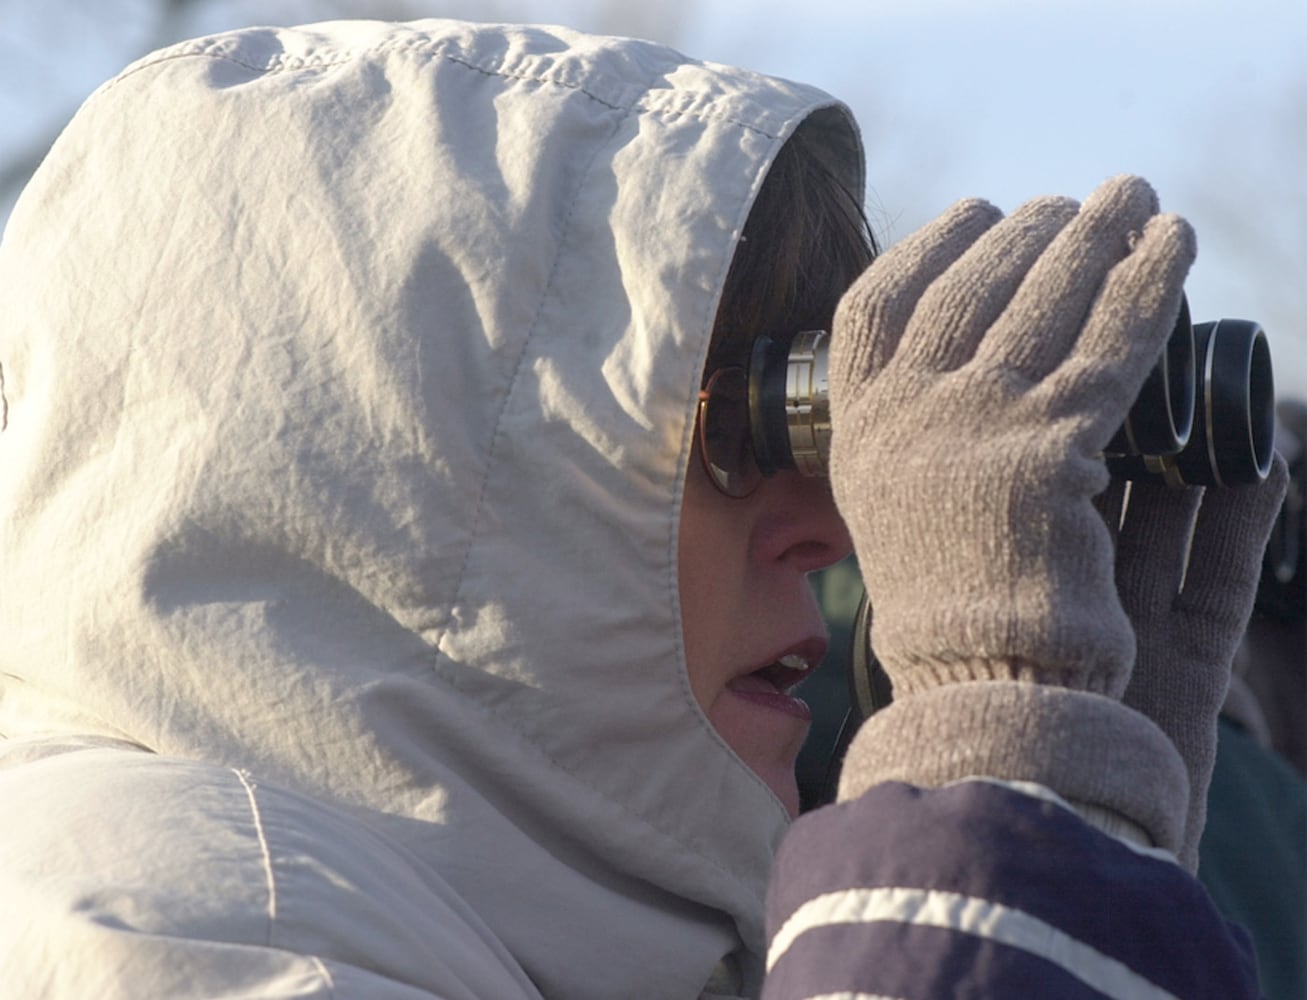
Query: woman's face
[(752, 627)]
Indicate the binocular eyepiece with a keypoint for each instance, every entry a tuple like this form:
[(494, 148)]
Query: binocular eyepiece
[(1205, 415)]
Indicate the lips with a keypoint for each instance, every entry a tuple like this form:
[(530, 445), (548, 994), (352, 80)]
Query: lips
[(780, 676), (770, 686)]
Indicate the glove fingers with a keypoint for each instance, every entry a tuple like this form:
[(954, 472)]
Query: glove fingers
[(973, 293), (1128, 326), (1229, 542), (875, 311), (1044, 321), (1153, 547), (1186, 649)]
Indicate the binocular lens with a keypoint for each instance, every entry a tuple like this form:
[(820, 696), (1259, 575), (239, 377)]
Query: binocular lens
[(1233, 428), (1235, 420)]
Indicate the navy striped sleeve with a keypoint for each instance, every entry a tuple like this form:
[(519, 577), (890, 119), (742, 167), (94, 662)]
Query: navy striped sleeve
[(978, 889)]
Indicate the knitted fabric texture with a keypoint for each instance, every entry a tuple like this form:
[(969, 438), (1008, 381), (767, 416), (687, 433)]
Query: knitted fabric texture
[(978, 370), (1190, 613)]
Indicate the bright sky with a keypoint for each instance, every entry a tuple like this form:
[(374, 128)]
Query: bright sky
[(1004, 99), (1007, 99)]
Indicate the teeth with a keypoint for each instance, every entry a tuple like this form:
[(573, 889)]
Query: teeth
[(793, 661)]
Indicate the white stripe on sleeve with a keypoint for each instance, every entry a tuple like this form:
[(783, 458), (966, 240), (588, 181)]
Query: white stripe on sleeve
[(967, 915)]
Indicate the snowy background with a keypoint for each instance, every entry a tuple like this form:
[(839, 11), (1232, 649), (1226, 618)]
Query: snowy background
[(1004, 99)]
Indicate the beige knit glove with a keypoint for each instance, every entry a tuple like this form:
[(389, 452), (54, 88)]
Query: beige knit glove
[(978, 369), (1190, 613)]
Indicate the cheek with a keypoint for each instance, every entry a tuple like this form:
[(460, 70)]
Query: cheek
[(710, 554)]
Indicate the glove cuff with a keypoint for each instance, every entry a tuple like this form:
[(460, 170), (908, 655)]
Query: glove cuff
[(1085, 747)]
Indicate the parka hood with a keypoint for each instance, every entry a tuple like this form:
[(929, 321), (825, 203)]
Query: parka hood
[(349, 378)]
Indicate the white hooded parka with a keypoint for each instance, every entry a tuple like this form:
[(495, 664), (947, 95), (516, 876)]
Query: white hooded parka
[(349, 377)]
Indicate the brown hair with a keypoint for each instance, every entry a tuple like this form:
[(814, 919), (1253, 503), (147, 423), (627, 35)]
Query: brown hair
[(804, 243)]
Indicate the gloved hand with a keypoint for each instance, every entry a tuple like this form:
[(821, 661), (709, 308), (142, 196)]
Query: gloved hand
[(1190, 614), (978, 369)]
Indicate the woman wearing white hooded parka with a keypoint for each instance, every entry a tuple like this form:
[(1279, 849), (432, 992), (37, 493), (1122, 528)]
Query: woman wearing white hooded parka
[(373, 627)]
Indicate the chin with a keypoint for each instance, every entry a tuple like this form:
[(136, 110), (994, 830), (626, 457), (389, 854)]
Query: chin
[(766, 740)]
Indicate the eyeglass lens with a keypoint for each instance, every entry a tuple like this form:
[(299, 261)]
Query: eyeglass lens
[(724, 435)]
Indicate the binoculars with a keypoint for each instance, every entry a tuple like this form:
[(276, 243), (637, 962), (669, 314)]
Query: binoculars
[(1205, 415)]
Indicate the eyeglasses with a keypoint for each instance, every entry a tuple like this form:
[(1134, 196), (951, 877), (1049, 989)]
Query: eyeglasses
[(725, 433)]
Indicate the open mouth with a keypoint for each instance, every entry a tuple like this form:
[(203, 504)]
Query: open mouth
[(770, 686), (785, 673)]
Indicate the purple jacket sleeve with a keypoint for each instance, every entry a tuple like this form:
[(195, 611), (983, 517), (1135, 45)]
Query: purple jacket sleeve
[(978, 889)]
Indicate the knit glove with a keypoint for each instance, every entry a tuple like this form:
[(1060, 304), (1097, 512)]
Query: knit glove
[(1190, 615), (977, 371)]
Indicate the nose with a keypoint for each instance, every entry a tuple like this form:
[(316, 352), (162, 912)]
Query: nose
[(799, 523)]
